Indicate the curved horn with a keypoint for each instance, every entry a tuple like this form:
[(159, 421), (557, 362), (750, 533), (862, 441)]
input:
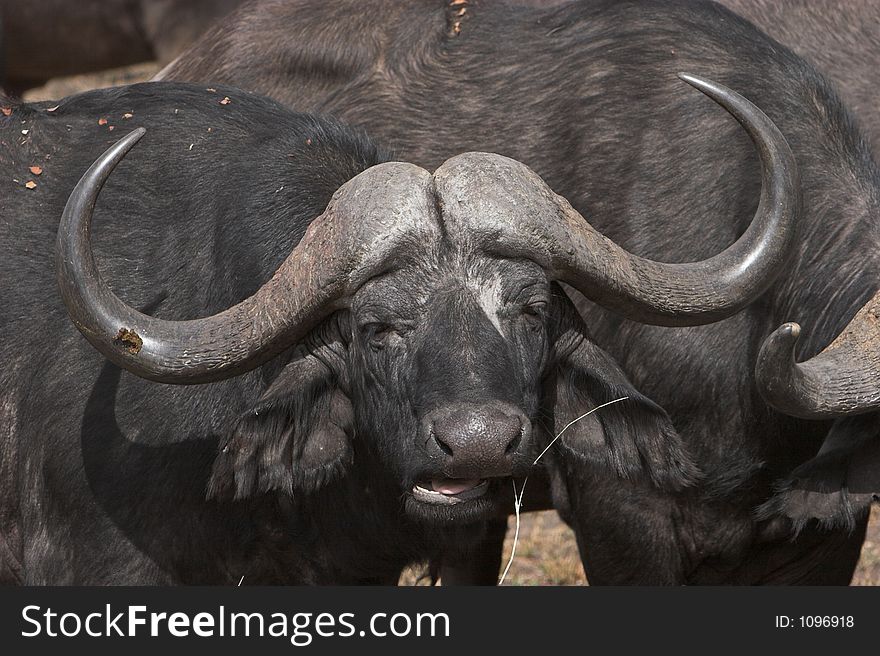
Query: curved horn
[(842, 380), (514, 223), (337, 254)]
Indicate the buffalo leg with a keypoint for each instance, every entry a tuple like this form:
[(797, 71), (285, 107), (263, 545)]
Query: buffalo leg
[(626, 533), (479, 566)]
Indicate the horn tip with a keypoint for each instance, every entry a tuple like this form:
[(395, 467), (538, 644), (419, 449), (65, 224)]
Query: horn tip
[(137, 133), (790, 329), (693, 80), (712, 89)]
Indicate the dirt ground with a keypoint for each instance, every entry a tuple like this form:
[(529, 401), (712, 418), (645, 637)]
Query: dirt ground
[(546, 552)]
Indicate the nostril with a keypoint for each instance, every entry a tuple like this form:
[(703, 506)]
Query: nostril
[(515, 441), (443, 445)]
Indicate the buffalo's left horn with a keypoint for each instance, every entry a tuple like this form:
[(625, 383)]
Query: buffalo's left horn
[(517, 215), (842, 380), (338, 253)]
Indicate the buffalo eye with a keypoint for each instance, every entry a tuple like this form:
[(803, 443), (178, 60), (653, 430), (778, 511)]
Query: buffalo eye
[(377, 334), (533, 316)]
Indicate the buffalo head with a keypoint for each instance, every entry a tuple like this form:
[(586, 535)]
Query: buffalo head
[(427, 331)]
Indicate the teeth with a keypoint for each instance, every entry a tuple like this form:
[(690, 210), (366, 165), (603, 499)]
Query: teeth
[(432, 496)]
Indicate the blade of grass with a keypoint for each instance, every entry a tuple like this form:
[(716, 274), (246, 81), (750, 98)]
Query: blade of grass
[(517, 498), (574, 421)]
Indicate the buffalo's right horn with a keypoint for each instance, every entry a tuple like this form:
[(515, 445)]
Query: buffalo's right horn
[(337, 254), (514, 218), (844, 379)]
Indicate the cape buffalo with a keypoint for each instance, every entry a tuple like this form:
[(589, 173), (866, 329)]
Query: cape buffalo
[(366, 405), (586, 94)]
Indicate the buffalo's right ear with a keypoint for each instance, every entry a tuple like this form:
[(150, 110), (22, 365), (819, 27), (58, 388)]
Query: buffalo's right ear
[(297, 437)]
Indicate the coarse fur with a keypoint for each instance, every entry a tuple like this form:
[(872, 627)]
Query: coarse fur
[(586, 94), (842, 40)]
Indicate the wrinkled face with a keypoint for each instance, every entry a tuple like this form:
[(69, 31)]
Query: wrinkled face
[(446, 362), (451, 359)]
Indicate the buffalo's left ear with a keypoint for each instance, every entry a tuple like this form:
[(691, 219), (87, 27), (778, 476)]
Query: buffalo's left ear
[(297, 438), (634, 438)]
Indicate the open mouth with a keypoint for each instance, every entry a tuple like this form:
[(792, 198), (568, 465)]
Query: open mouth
[(450, 491)]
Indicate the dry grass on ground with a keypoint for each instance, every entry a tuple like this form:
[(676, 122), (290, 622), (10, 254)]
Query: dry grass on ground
[(547, 554), (868, 571)]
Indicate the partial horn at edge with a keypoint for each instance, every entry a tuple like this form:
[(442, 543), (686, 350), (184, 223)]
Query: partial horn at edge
[(842, 380)]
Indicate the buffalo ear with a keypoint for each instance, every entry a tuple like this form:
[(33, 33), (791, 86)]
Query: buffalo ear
[(634, 438), (296, 438), (837, 486)]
